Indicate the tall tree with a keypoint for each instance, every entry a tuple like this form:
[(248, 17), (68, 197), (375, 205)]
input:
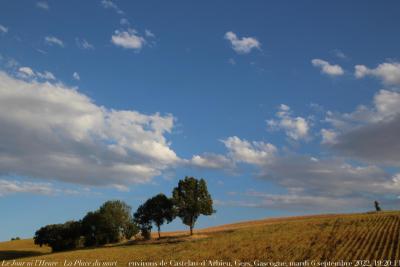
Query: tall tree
[(191, 199), (161, 210)]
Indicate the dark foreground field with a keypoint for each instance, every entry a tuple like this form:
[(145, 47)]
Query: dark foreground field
[(371, 236)]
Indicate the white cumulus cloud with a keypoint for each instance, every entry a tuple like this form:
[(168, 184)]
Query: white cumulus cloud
[(27, 72), (327, 68), (297, 128), (255, 152), (389, 73), (242, 45), (128, 39), (212, 161), (54, 132)]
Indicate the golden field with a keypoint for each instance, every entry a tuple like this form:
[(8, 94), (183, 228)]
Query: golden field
[(368, 236)]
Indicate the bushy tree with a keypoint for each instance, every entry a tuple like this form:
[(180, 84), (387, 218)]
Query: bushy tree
[(161, 210), (143, 220), (109, 224), (94, 229), (59, 236), (192, 199)]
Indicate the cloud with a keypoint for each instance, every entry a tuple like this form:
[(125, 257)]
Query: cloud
[(212, 161), (371, 133), (321, 184), (376, 142), (296, 128), (83, 44), (327, 68), (389, 73), (3, 29), (295, 202), (328, 136), (308, 183), (51, 40), (128, 39), (108, 4), (149, 34), (42, 5), (239, 151), (76, 76), (326, 184), (27, 72), (46, 75), (339, 54), (12, 187), (326, 177), (244, 45), (255, 152), (54, 132)]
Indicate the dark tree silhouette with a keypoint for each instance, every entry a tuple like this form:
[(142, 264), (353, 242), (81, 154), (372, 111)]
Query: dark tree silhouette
[(109, 224), (143, 220), (161, 210), (191, 199), (377, 207), (59, 236)]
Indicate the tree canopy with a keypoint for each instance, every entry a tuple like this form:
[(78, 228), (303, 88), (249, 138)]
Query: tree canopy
[(59, 236), (192, 199), (143, 220), (158, 210), (109, 224)]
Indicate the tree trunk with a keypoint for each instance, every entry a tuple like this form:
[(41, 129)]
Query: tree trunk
[(159, 234), (191, 229)]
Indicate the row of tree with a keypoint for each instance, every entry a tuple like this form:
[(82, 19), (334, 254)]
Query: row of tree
[(190, 199), (113, 221), (110, 223)]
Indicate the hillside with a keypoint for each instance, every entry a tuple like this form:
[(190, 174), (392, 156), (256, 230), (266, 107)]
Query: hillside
[(370, 236)]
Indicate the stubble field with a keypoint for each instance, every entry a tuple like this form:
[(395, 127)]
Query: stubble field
[(369, 236)]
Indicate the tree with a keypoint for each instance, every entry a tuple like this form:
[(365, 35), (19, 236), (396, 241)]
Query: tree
[(191, 199), (377, 206), (143, 220), (109, 224), (94, 229), (161, 210), (59, 236)]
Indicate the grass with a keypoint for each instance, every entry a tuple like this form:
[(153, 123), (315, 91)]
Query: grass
[(372, 236)]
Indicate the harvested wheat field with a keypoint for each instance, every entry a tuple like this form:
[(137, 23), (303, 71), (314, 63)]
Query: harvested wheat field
[(369, 236)]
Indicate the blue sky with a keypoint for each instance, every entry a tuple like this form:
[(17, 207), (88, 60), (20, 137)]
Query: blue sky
[(283, 107)]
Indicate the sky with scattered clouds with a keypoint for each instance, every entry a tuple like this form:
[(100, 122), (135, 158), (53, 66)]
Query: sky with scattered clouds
[(283, 107)]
